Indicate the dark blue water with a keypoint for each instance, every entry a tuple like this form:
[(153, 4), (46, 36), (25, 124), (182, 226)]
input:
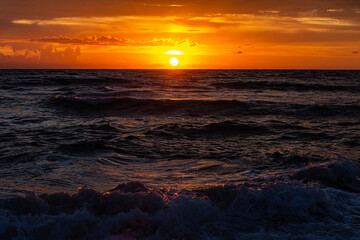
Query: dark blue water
[(187, 154)]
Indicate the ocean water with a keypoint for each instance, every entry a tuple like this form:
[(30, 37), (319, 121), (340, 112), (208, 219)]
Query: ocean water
[(179, 154)]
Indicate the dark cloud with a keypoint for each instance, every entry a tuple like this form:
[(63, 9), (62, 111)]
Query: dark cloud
[(53, 55), (112, 41), (355, 52), (40, 58), (90, 40)]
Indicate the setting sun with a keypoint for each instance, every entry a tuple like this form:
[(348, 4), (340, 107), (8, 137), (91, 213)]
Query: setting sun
[(174, 61)]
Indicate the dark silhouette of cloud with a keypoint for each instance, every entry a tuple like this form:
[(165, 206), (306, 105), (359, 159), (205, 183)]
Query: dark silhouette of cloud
[(45, 57), (90, 40), (112, 41)]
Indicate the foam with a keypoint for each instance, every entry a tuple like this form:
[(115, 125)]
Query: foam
[(279, 210)]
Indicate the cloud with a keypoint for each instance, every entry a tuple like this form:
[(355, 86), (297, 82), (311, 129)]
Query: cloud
[(53, 55), (163, 5), (44, 57), (355, 52), (335, 10), (187, 42), (6, 50), (89, 40), (113, 41)]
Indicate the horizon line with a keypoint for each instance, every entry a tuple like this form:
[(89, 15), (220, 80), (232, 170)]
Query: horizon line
[(174, 69)]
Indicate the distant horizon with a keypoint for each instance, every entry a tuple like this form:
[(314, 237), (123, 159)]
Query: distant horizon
[(179, 69)]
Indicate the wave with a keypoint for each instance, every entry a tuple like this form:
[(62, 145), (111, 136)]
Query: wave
[(285, 86), (212, 130), (87, 147), (341, 173), (223, 129), (151, 106), (294, 160), (198, 108), (279, 210)]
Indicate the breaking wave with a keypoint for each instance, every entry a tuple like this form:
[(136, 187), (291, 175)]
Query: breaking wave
[(312, 206)]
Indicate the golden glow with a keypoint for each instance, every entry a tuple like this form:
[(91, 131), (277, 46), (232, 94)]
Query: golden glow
[(174, 61), (174, 52)]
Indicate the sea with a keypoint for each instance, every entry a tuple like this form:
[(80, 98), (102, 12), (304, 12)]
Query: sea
[(179, 154)]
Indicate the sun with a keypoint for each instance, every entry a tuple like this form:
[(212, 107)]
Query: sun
[(174, 61)]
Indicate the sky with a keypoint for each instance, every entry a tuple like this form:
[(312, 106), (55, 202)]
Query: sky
[(139, 34)]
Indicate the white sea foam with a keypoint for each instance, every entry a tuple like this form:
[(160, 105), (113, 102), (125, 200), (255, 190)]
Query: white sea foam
[(279, 210)]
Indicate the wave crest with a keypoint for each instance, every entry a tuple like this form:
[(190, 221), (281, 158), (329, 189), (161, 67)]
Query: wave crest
[(135, 211), (341, 173)]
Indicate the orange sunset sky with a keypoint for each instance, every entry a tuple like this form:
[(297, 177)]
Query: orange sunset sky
[(238, 34)]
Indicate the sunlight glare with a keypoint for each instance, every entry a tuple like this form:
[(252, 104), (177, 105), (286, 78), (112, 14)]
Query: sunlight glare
[(174, 52)]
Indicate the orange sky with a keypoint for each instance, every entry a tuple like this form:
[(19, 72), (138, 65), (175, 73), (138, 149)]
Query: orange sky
[(238, 34)]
